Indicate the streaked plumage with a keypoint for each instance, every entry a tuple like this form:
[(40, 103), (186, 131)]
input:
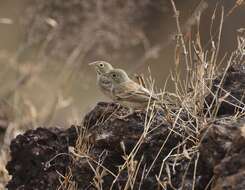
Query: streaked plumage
[(104, 83), (127, 92)]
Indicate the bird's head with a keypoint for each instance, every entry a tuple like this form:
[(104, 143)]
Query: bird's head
[(118, 76), (101, 67)]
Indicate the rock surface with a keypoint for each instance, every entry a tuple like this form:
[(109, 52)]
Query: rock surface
[(230, 90), (230, 171), (34, 163), (36, 157), (163, 151), (118, 138)]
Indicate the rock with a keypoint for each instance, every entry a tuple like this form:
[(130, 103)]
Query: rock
[(222, 153), (230, 172), (111, 140), (217, 140), (160, 155), (230, 92), (115, 139), (35, 158)]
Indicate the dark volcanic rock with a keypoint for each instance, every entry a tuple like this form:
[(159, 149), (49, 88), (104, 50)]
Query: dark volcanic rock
[(33, 163), (165, 154), (217, 140), (230, 172), (114, 138), (222, 154), (231, 88)]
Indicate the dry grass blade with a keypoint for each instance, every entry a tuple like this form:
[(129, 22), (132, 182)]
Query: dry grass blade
[(238, 3)]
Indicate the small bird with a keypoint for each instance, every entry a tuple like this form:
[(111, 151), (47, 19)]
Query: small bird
[(104, 83), (127, 92)]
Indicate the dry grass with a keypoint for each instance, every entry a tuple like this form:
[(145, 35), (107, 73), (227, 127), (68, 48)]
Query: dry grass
[(202, 68)]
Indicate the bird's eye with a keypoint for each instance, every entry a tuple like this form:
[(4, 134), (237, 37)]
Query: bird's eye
[(101, 65), (114, 75)]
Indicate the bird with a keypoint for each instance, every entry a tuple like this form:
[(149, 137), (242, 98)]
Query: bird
[(103, 82), (127, 92)]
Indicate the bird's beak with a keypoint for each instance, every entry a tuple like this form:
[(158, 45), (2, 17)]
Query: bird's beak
[(92, 63)]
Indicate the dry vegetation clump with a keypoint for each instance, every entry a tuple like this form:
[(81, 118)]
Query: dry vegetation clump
[(196, 142), (45, 81)]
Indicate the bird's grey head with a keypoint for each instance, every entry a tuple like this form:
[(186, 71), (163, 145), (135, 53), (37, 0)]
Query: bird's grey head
[(118, 76), (101, 67)]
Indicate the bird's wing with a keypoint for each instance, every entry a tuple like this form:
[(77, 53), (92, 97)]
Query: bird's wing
[(132, 92)]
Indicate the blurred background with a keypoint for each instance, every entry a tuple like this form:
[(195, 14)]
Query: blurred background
[(45, 48)]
